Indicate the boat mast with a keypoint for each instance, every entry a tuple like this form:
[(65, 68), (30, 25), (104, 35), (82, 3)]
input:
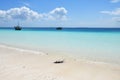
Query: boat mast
[(18, 23)]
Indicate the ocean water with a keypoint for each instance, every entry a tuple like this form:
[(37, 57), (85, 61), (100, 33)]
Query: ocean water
[(100, 44)]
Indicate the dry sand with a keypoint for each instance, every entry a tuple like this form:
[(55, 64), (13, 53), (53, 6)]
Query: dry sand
[(24, 65)]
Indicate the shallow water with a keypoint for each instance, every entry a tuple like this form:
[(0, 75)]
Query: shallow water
[(103, 44)]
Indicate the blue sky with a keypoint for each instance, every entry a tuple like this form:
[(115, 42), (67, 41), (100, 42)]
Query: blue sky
[(65, 13)]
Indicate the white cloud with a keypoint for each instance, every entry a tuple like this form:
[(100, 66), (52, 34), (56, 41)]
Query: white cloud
[(25, 13), (116, 19), (115, 12), (115, 1), (26, 4), (22, 13), (59, 13)]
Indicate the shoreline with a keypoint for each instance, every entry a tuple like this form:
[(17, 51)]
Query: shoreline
[(39, 52), (19, 64), (21, 49)]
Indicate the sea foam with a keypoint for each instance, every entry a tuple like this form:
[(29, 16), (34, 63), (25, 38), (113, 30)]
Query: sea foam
[(21, 49)]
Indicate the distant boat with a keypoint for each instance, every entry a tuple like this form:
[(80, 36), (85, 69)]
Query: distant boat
[(59, 28), (17, 27)]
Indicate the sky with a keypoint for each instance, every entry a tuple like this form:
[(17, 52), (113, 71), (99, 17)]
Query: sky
[(64, 13)]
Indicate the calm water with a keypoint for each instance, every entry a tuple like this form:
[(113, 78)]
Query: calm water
[(97, 44)]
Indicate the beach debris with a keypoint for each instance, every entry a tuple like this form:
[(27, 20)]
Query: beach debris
[(24, 67), (59, 61)]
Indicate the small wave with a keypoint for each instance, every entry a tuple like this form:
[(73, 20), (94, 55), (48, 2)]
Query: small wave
[(21, 49), (99, 62)]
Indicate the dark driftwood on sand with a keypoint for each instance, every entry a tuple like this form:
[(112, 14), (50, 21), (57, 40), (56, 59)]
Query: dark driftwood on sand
[(56, 62)]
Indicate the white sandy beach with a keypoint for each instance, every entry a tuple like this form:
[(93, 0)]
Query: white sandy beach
[(24, 65)]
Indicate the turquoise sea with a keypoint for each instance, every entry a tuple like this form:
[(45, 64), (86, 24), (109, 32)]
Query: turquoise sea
[(102, 44)]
